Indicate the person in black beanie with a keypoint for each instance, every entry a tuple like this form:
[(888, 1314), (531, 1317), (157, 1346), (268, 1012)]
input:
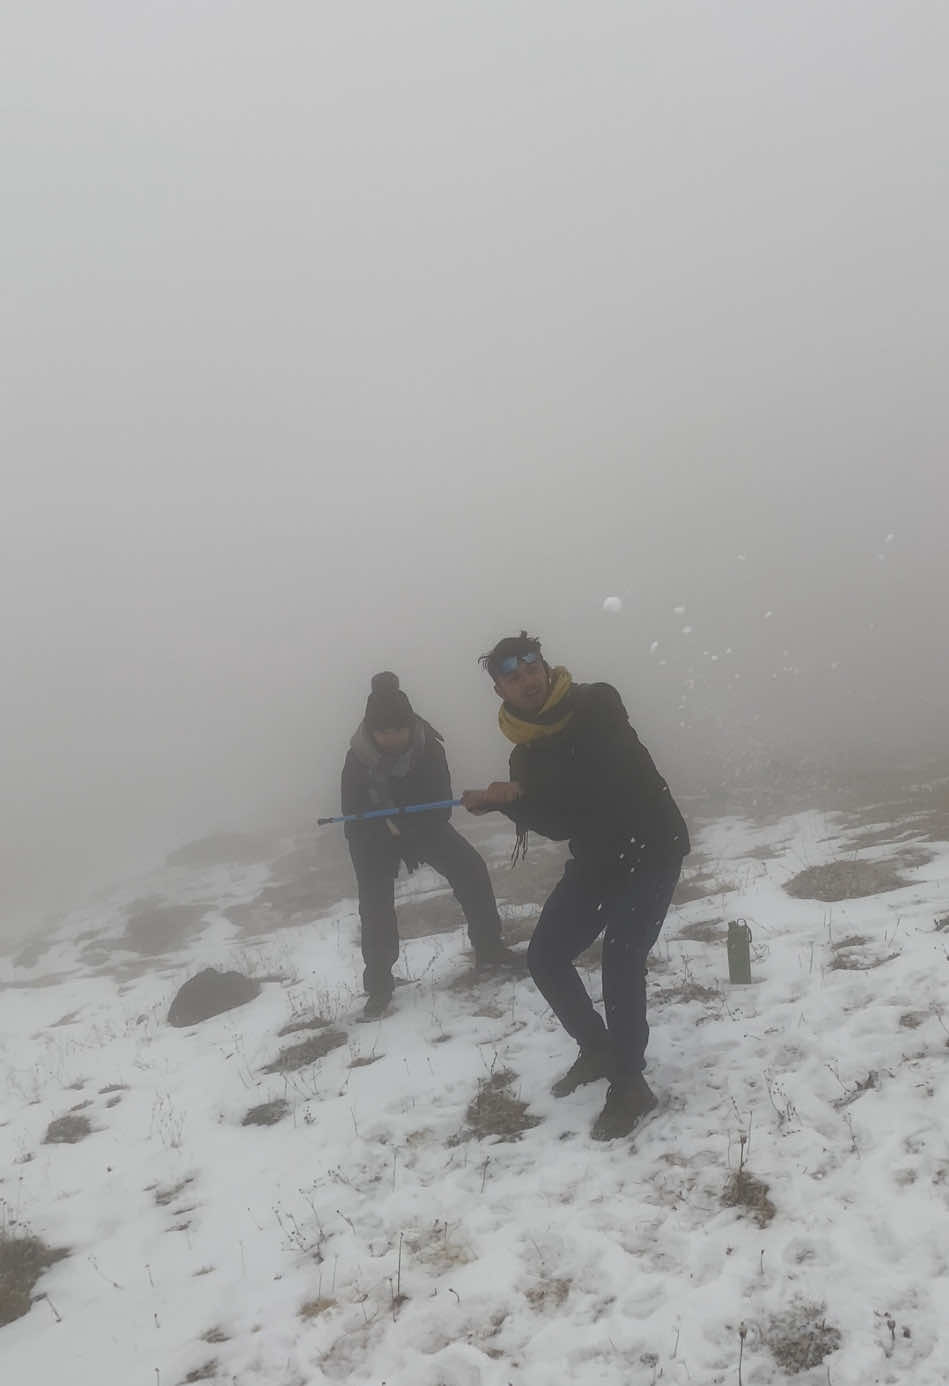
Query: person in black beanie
[(396, 757), (579, 773)]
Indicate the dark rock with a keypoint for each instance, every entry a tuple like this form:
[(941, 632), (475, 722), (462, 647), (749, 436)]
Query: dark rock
[(211, 993)]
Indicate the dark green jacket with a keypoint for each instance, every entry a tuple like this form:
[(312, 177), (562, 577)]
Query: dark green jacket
[(595, 785)]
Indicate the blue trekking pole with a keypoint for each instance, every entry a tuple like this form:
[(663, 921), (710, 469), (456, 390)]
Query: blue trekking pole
[(389, 812)]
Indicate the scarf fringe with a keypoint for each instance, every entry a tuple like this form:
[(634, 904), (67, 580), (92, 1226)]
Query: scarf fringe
[(521, 843)]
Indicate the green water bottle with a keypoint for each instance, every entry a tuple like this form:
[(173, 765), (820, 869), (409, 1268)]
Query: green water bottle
[(739, 951)]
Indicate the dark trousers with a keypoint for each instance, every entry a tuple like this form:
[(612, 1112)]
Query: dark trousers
[(376, 863), (629, 915)]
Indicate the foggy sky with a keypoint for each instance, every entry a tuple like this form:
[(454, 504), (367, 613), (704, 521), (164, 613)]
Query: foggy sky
[(344, 337)]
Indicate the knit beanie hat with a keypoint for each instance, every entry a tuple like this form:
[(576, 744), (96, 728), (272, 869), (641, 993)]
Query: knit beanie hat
[(387, 707)]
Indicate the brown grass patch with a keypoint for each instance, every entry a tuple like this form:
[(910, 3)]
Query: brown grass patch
[(299, 1055), (801, 1338), (364, 1060), (846, 880), (437, 1247), (171, 1191), (746, 1190), (267, 1113), (314, 1307), (686, 992), (206, 1372), (703, 931), (943, 923), (215, 1335), (67, 1130), (22, 1262), (490, 1010), (547, 1294), (851, 962), (697, 887), (851, 941), (494, 1112), (316, 1022), (911, 1020)]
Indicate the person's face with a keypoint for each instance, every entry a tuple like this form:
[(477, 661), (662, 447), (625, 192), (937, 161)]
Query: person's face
[(393, 739), (525, 687)]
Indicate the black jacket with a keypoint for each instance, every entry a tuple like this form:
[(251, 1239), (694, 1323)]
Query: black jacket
[(595, 785), (428, 781)]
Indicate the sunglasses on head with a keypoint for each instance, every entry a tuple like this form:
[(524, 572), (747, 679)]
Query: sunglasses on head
[(509, 663)]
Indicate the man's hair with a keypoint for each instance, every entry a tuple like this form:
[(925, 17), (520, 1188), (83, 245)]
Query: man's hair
[(510, 645)]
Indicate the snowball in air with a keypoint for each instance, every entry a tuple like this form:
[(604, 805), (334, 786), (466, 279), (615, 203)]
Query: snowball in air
[(613, 605)]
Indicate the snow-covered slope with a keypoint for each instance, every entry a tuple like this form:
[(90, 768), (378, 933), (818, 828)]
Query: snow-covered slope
[(378, 1233)]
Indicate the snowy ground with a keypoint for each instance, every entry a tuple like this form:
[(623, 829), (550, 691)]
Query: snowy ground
[(372, 1236)]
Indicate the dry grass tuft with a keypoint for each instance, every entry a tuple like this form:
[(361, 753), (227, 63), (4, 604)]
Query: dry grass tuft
[(844, 961), (316, 1022), (494, 1112), (206, 1372), (852, 941), (801, 1338), (23, 1260), (699, 886), (846, 880), (703, 931), (168, 1194), (685, 992), (67, 1130), (364, 1060), (437, 1248), (299, 1055), (215, 1335), (267, 1113), (314, 1307), (746, 1190), (548, 1294)]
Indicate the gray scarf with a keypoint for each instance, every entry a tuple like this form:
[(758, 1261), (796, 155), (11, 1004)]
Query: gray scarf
[(385, 766)]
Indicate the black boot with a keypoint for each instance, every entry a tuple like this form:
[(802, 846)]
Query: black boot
[(377, 1005), (589, 1065), (497, 954), (629, 1098)]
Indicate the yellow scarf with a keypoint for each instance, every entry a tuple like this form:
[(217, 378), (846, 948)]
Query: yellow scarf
[(522, 730)]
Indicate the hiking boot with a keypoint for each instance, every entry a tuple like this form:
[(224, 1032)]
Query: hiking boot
[(589, 1065), (497, 954), (628, 1099), (377, 1005)]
